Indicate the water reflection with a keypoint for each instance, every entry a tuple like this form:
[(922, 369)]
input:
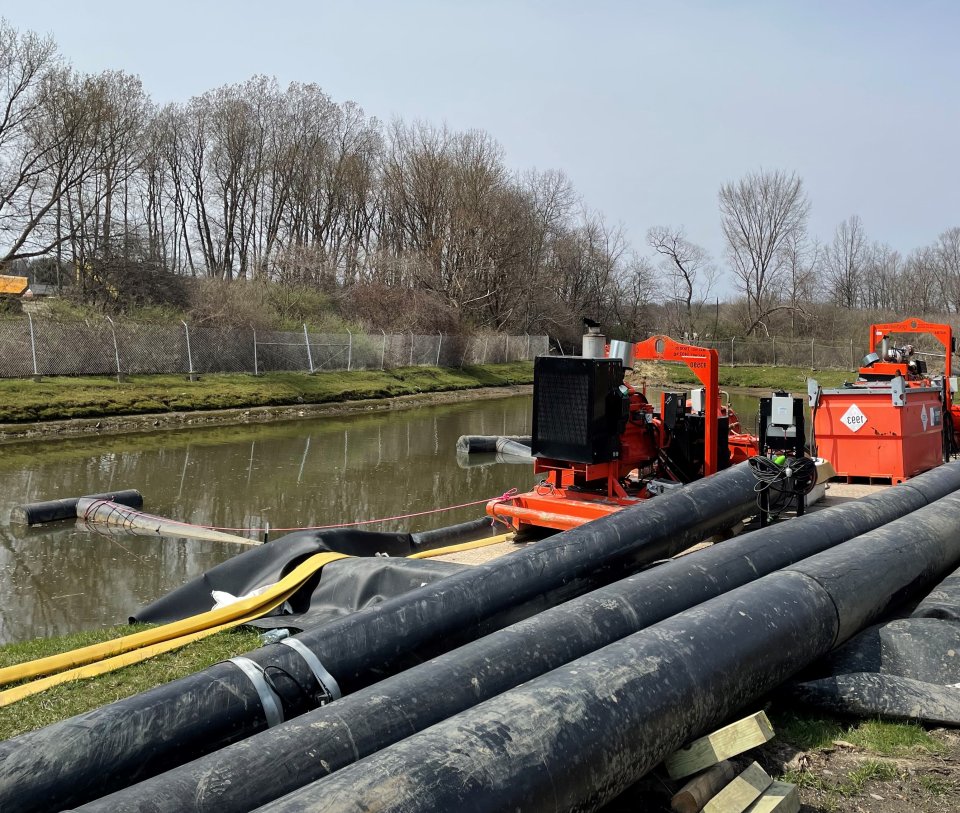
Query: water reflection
[(62, 578)]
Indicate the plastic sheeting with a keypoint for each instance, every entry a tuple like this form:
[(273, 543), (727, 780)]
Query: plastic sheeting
[(341, 588), (905, 669)]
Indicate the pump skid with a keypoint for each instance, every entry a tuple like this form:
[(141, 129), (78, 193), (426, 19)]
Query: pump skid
[(601, 445)]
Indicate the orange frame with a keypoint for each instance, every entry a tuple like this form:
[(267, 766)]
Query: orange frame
[(704, 362), (942, 333)]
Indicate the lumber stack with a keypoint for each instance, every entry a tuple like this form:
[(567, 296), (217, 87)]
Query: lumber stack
[(717, 785)]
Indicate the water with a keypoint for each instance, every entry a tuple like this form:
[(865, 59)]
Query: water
[(62, 578)]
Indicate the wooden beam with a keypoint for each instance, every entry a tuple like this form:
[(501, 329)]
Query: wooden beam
[(704, 786), (720, 745), (742, 792), (780, 797)]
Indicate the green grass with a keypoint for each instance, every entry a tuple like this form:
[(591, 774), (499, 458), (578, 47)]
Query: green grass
[(25, 401), (880, 740), (811, 732), (79, 696)]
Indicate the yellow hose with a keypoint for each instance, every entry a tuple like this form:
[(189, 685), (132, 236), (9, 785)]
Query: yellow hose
[(98, 659), (245, 609), (477, 543)]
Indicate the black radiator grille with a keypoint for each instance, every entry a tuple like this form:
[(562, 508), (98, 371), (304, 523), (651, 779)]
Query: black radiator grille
[(563, 406), (576, 409)]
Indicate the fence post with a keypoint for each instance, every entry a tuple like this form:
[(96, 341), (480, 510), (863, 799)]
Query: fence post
[(527, 357), (486, 341), (853, 358), (731, 351), (33, 346), (116, 350), (774, 340), (349, 349), (411, 348), (186, 330), (306, 340), (256, 365), (813, 352), (506, 347), (439, 345), (383, 351)]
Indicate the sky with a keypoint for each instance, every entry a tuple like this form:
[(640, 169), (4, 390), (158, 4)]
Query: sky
[(648, 107)]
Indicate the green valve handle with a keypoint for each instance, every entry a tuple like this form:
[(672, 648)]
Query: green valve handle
[(780, 459)]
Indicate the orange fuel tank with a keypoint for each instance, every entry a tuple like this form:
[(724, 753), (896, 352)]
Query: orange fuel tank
[(891, 432)]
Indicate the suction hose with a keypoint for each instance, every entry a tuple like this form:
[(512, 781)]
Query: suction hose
[(244, 775), (86, 756), (576, 737)]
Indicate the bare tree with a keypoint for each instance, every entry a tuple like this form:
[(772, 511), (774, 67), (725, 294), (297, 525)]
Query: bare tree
[(800, 259), (947, 266), (635, 289), (844, 261), (760, 212), (689, 269)]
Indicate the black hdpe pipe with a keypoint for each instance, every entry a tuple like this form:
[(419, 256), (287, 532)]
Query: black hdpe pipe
[(35, 513), (244, 775), (94, 753), (576, 737)]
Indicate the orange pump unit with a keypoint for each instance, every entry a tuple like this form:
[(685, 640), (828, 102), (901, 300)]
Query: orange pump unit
[(895, 421), (603, 446)]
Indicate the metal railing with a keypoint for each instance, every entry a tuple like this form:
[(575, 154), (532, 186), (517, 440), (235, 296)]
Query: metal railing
[(34, 346)]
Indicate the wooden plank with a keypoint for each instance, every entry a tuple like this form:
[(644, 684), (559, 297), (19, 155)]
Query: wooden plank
[(780, 797), (698, 791), (742, 792), (720, 745)]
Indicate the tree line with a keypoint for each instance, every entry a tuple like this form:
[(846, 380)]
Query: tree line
[(120, 201)]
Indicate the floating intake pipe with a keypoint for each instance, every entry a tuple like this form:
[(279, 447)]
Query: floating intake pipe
[(132, 739), (35, 513)]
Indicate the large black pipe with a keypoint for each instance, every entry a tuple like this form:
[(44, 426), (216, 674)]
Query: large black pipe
[(35, 513), (83, 757), (244, 775), (576, 737)]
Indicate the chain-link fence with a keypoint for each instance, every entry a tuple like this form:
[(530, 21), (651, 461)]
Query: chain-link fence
[(811, 353), (35, 346)]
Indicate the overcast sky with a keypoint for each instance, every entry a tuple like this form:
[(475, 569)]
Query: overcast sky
[(647, 106)]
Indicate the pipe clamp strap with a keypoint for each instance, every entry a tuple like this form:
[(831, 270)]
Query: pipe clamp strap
[(324, 678), (272, 708)]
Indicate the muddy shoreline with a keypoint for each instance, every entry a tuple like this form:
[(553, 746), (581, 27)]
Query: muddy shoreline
[(120, 424)]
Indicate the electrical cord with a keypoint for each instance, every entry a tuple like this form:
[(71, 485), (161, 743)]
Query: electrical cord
[(781, 482)]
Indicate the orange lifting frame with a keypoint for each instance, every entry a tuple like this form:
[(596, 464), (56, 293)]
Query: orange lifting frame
[(705, 364), (942, 333)]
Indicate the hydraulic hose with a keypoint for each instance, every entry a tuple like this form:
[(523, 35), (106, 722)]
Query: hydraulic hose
[(86, 756), (576, 737), (244, 775)]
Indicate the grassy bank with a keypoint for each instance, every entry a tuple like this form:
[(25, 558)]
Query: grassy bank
[(26, 401)]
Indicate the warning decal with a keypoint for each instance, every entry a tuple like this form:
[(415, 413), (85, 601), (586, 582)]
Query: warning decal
[(853, 418)]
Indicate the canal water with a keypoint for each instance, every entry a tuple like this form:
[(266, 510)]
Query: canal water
[(65, 577), (61, 578)]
